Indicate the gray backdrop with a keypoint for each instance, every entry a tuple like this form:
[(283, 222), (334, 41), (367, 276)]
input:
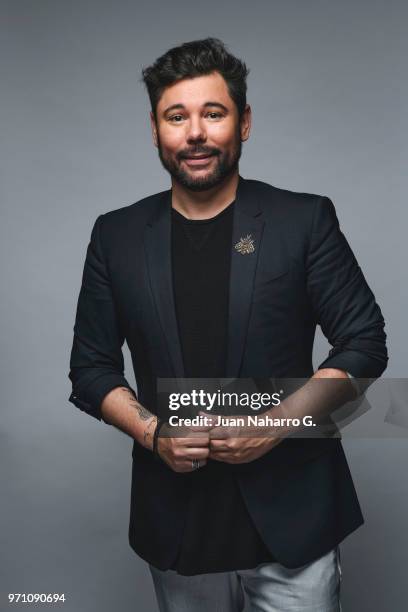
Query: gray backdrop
[(327, 92)]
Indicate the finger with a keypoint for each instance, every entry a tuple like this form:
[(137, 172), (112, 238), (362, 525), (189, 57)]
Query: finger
[(224, 457), (187, 465), (220, 451), (218, 445), (196, 453), (196, 442), (219, 433), (183, 467)]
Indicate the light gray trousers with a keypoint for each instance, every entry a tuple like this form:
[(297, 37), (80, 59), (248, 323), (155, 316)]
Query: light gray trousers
[(270, 587)]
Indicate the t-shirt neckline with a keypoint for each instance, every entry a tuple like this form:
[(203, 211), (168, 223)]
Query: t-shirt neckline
[(179, 216)]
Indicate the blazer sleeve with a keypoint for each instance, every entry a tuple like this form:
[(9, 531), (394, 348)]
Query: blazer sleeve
[(96, 362), (343, 303)]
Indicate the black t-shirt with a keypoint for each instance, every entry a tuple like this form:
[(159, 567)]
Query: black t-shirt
[(219, 534)]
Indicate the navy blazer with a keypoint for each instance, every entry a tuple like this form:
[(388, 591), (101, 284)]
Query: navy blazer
[(301, 274)]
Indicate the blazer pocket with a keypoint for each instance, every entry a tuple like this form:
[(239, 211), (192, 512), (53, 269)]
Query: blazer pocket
[(277, 274), (272, 275), (271, 285)]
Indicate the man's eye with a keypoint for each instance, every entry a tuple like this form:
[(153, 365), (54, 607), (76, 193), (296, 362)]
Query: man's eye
[(179, 118)]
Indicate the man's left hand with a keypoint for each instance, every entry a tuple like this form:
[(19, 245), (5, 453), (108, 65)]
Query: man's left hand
[(238, 444)]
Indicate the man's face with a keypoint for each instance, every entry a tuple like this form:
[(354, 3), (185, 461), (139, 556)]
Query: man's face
[(198, 133)]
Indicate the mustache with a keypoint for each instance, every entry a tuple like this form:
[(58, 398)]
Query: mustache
[(197, 151)]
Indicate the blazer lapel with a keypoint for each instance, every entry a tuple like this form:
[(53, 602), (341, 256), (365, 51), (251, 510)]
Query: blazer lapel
[(247, 229), (158, 251)]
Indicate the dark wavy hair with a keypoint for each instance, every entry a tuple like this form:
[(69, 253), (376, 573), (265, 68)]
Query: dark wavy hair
[(197, 58)]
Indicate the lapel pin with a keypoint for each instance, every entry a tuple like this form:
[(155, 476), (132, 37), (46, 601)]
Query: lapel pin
[(245, 245)]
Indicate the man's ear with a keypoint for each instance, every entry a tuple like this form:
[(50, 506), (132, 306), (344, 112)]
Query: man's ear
[(245, 123), (154, 129)]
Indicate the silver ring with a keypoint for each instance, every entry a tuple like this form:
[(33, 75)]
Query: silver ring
[(195, 464)]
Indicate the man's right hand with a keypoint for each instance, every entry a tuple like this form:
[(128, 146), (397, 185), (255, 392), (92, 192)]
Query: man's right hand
[(180, 450), (177, 446)]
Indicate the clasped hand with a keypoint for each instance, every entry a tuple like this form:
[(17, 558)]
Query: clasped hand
[(229, 443)]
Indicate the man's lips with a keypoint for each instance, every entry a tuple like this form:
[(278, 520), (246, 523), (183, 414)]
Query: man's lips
[(198, 160)]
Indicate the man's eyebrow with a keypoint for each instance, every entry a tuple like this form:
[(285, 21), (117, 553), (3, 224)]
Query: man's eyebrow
[(207, 104)]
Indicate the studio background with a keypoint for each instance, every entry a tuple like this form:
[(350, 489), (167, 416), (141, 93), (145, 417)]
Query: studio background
[(328, 91)]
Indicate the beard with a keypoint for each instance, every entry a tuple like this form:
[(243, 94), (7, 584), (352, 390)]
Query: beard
[(225, 163)]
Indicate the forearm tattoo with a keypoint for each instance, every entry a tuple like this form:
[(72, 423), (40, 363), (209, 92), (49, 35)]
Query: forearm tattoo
[(142, 411), (145, 415), (148, 432)]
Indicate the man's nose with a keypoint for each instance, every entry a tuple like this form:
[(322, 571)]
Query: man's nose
[(196, 130)]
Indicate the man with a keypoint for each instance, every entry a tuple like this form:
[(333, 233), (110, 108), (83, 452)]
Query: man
[(224, 277)]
